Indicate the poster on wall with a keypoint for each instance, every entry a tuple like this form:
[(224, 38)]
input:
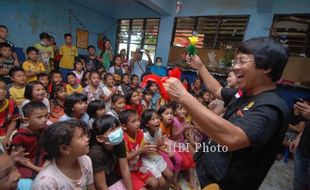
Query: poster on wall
[(81, 38), (100, 41)]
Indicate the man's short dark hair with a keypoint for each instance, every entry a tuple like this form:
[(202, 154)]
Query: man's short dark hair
[(268, 54), (67, 35), (31, 106), (29, 49)]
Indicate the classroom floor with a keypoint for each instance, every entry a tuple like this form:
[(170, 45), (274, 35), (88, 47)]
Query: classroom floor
[(279, 177)]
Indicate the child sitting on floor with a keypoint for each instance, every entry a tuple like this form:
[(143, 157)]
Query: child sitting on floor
[(67, 145)]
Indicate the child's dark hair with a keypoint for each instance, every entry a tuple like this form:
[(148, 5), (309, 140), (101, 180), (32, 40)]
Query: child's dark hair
[(53, 72), (162, 109), (129, 95), (44, 35), (83, 82), (147, 92), (175, 105), (29, 88), (116, 97), (60, 133), (58, 88), (149, 84), (42, 75), (31, 106), (123, 75), (15, 70), (31, 48), (71, 100), (146, 117), (6, 45), (67, 35), (124, 116), (105, 78), (102, 125), (77, 61), (93, 73), (93, 106), (133, 76), (70, 73), (116, 56)]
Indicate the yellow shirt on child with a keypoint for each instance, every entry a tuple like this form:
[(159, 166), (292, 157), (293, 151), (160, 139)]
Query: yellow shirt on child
[(77, 89), (68, 53), (17, 94), (34, 67)]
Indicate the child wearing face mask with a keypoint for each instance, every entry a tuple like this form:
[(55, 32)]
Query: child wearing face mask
[(46, 51), (108, 155)]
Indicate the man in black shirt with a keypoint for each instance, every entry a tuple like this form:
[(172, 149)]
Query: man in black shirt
[(302, 154), (254, 124)]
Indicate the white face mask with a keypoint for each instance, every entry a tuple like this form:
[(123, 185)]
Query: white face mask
[(159, 64), (44, 44)]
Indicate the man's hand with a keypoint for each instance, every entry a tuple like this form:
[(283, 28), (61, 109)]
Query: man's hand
[(148, 148), (175, 89), (303, 108), (194, 62)]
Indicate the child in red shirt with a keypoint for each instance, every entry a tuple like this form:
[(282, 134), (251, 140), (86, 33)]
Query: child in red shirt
[(35, 118), (8, 116), (134, 140)]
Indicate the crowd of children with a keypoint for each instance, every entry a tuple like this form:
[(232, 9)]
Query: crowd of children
[(52, 101)]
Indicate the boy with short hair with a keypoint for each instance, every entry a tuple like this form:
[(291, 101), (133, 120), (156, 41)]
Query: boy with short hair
[(17, 88), (91, 61), (72, 85), (46, 51), (136, 148), (6, 62), (28, 138), (8, 116), (4, 32), (67, 52), (33, 66)]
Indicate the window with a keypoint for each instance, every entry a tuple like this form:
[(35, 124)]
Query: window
[(293, 31), (213, 31), (137, 33)]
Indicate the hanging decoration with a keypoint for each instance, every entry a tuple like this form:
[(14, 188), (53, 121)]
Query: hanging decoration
[(176, 73), (179, 5)]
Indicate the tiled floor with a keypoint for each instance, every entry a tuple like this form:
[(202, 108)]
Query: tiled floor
[(279, 177)]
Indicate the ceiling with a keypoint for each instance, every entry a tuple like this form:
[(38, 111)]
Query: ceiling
[(119, 8)]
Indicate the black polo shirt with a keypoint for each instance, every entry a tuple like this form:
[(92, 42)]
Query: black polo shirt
[(264, 119)]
